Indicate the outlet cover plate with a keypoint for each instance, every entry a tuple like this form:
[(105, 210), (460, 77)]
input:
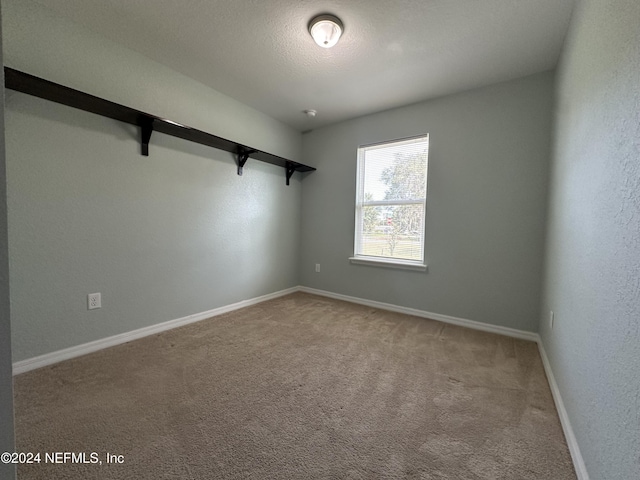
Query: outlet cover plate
[(94, 300)]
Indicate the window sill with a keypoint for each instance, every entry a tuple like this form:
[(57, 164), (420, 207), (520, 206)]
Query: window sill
[(387, 263)]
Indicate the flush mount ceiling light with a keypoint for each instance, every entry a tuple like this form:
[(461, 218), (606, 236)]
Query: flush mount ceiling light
[(326, 30)]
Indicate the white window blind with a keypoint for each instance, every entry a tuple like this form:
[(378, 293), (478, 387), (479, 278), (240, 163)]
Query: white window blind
[(391, 200)]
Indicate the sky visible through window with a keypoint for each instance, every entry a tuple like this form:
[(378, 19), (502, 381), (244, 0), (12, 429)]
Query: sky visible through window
[(376, 163)]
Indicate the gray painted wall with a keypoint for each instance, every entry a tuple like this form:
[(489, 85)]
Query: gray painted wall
[(7, 471), (592, 280), (161, 237), (486, 205)]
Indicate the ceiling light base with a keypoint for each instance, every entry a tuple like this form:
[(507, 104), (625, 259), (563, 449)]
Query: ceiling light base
[(326, 30)]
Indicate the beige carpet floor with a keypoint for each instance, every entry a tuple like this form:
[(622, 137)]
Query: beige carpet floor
[(300, 387)]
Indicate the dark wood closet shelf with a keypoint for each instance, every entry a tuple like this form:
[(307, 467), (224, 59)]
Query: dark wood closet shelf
[(25, 83)]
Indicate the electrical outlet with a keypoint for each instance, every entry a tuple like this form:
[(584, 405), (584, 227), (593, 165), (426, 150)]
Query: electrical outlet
[(94, 300), (317, 268), (551, 318)]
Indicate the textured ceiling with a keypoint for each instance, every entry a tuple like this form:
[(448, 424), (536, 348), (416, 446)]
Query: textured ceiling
[(392, 53)]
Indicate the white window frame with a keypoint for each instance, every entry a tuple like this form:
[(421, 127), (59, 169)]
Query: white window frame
[(361, 203)]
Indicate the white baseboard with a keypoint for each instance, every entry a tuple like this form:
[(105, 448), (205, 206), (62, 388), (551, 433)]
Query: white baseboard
[(572, 443), (462, 322), (23, 366)]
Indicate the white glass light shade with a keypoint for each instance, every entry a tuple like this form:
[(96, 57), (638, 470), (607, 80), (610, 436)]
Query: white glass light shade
[(326, 30)]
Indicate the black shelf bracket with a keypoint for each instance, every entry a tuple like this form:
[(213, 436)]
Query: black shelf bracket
[(39, 87), (243, 156), (146, 129), (290, 167)]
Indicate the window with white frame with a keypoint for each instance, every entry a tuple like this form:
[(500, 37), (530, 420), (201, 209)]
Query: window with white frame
[(391, 201)]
